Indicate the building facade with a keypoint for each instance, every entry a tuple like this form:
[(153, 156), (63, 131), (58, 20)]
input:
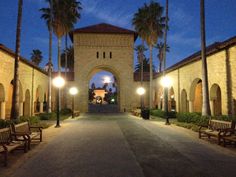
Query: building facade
[(33, 85)]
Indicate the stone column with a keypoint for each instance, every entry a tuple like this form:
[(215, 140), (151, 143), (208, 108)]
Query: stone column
[(3, 110), (190, 106), (41, 107), (21, 109)]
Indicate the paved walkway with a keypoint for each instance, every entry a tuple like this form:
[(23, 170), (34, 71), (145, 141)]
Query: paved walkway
[(123, 146)]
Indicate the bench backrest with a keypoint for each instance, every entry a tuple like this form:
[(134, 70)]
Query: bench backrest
[(5, 135), (220, 124), (21, 127)]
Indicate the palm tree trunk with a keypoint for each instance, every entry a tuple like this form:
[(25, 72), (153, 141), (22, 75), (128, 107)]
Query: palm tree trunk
[(151, 78), (164, 58), (59, 68), (66, 68), (50, 63), (160, 64), (15, 97), (205, 91), (142, 101)]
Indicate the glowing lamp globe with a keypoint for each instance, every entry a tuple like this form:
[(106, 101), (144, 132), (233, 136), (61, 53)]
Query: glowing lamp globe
[(58, 82), (73, 91), (166, 82), (140, 90)]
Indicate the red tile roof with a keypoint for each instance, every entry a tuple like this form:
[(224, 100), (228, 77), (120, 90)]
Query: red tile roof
[(105, 29), (210, 50)]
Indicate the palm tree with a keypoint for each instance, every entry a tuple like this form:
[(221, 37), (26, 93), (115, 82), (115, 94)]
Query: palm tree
[(149, 24), (205, 91), (62, 15), (146, 66), (160, 55), (140, 52), (67, 58), (15, 97), (36, 56)]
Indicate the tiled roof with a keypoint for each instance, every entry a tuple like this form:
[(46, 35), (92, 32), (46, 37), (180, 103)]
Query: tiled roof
[(211, 49), (24, 60), (105, 28)]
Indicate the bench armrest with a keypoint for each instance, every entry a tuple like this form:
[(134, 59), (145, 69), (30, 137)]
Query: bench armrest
[(203, 126), (38, 128)]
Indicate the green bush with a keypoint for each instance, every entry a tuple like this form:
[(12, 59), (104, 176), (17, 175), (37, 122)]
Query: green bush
[(47, 116), (4, 123), (31, 119), (194, 118), (157, 113), (160, 113), (225, 118), (65, 111)]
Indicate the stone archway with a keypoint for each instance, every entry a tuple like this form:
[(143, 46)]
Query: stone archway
[(195, 104), (102, 107), (9, 100), (215, 99), (2, 102), (184, 101), (27, 103), (171, 98), (38, 103)]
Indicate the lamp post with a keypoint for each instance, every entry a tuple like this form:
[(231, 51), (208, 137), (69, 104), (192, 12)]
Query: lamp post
[(144, 113), (73, 91), (166, 83), (58, 82)]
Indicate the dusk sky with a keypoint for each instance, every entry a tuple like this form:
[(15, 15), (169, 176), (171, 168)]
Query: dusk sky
[(183, 36)]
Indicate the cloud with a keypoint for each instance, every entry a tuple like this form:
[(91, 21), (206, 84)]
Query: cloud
[(100, 9)]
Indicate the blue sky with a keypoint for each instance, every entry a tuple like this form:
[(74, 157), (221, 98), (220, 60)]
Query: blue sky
[(183, 36)]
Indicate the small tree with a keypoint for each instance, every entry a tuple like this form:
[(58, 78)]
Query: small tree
[(36, 56)]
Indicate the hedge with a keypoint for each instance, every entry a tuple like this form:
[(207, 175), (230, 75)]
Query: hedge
[(160, 113)]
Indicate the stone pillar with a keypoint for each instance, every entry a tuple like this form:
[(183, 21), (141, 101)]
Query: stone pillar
[(41, 107), (3, 110), (190, 106), (21, 109)]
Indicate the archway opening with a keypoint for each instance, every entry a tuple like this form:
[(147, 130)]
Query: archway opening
[(103, 93), (215, 97), (27, 103), (171, 98), (184, 101), (196, 95)]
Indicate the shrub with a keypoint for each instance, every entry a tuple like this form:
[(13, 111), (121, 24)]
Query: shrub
[(195, 118), (160, 113), (47, 116), (4, 123), (66, 111), (225, 118), (31, 119)]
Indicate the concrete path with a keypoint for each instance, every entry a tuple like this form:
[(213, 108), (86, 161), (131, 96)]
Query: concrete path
[(125, 146)]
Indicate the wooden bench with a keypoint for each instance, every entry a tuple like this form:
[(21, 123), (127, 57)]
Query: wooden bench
[(215, 128), (229, 137), (136, 112), (8, 144), (32, 133)]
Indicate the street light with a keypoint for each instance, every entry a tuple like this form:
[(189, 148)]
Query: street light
[(166, 83), (73, 91), (58, 82), (144, 113)]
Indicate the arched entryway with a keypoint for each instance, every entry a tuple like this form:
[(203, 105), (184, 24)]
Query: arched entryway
[(103, 91), (184, 101), (171, 98), (215, 98), (38, 104), (2, 102), (27, 103), (9, 100), (196, 96)]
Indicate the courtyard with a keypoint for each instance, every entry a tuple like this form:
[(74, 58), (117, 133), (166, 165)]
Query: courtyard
[(115, 145)]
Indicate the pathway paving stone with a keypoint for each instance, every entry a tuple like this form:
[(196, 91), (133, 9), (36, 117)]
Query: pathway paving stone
[(120, 145)]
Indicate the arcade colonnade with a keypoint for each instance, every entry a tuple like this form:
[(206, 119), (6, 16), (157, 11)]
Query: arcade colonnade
[(185, 94), (32, 86)]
